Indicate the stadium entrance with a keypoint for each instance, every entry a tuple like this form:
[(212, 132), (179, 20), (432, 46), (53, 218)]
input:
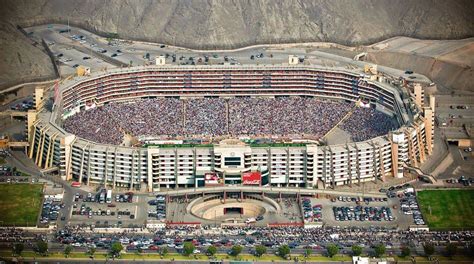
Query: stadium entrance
[(234, 210)]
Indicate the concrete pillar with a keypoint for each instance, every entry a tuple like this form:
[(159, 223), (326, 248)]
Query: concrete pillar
[(349, 165), (106, 164), (115, 169), (132, 174), (39, 150), (429, 129), (395, 159), (68, 151), (419, 97), (32, 142), (357, 164), (81, 170), (30, 121), (381, 163), (89, 165)]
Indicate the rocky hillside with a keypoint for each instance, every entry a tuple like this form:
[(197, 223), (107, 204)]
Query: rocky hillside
[(235, 23), (209, 24), (449, 76), (20, 61)]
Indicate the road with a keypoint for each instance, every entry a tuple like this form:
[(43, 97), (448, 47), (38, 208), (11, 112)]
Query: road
[(134, 52)]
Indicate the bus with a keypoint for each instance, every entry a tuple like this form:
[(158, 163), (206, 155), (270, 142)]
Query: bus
[(76, 184), (109, 196)]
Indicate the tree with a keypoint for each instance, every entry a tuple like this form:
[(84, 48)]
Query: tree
[(451, 249), (42, 247), (379, 250), (356, 250), (429, 249), (67, 250), (18, 248), (211, 250), (188, 248), (116, 248), (284, 251), (332, 250), (307, 252), (164, 251), (405, 250), (92, 251), (235, 250), (260, 250)]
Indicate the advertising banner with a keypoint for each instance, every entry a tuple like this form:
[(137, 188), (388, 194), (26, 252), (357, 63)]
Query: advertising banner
[(211, 179), (251, 178)]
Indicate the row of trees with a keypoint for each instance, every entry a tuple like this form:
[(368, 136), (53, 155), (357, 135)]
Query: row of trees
[(332, 250), (283, 251)]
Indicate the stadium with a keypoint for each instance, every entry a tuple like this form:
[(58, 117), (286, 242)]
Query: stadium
[(158, 127)]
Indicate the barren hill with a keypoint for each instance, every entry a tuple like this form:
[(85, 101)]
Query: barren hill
[(235, 23), (208, 24)]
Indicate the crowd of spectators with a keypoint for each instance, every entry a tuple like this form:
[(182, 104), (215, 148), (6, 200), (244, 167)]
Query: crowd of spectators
[(284, 116), (214, 117), (206, 117), (96, 125), (367, 123)]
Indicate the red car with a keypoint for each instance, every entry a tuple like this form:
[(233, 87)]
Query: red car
[(153, 247)]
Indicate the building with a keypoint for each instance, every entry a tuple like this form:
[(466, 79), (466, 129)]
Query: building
[(305, 164)]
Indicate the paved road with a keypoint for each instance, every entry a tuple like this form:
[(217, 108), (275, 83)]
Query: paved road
[(134, 52)]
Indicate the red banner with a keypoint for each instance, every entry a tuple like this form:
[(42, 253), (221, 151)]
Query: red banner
[(251, 178)]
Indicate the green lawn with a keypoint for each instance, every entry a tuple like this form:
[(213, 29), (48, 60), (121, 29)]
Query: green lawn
[(450, 209), (20, 204)]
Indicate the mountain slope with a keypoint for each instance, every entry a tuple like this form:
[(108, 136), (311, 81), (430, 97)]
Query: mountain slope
[(210, 24), (236, 23)]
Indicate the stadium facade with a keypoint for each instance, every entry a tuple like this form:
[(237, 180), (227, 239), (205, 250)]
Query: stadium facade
[(294, 163)]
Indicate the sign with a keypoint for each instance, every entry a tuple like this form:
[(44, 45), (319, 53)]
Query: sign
[(90, 105), (251, 178), (211, 179), (398, 137)]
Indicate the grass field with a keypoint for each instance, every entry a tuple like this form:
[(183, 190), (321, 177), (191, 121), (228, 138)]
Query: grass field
[(450, 209), (20, 204)]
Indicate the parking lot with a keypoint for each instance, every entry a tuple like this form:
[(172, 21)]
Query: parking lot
[(346, 211), (157, 208), (311, 212), (50, 212), (121, 210)]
